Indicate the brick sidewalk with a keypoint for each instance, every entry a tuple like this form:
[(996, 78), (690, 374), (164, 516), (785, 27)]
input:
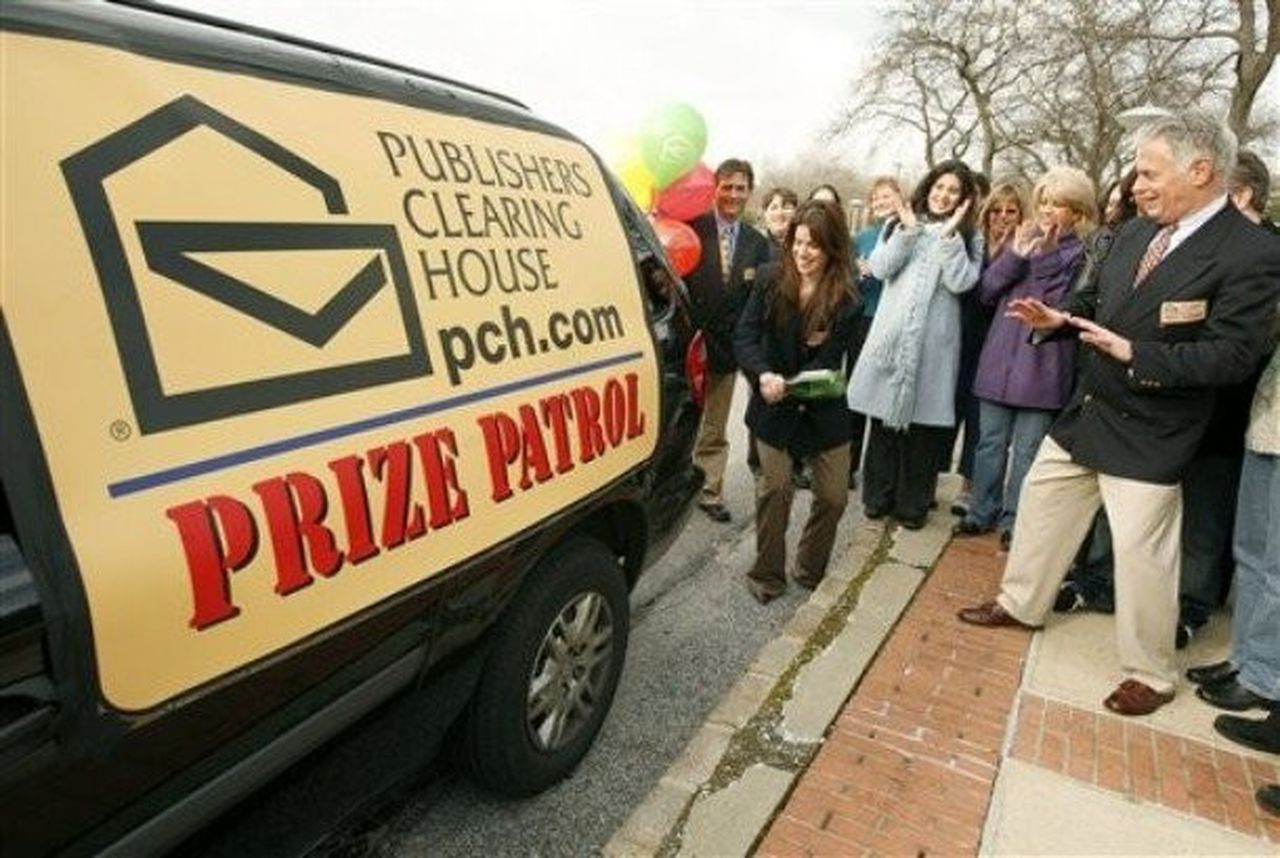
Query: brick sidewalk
[(1125, 756), (910, 764)]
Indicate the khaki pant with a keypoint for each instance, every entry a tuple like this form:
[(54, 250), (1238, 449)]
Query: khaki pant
[(1059, 499), (774, 493), (711, 452)]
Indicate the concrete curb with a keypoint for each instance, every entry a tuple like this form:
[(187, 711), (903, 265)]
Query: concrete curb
[(720, 795)]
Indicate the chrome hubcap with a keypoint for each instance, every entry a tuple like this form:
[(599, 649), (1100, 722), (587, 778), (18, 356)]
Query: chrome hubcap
[(569, 671)]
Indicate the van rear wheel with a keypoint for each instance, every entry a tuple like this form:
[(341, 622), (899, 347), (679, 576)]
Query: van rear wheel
[(552, 671)]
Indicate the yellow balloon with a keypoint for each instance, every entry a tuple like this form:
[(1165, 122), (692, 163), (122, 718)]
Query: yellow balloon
[(618, 149), (638, 182)]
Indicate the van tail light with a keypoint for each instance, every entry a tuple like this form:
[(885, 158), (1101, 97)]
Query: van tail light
[(695, 367)]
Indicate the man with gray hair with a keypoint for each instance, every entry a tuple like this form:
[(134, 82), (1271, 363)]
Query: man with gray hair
[(1181, 305)]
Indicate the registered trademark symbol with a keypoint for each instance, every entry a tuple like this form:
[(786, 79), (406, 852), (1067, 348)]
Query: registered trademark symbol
[(120, 430)]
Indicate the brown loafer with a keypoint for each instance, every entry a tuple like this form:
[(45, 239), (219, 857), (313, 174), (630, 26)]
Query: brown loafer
[(1136, 698), (991, 615)]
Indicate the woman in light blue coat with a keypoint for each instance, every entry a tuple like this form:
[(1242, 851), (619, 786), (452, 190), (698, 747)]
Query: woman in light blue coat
[(905, 379)]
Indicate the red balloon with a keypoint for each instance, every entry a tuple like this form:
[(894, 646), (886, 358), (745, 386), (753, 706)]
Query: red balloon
[(688, 196), (680, 242)]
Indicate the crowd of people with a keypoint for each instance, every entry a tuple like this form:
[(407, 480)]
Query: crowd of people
[(1107, 365)]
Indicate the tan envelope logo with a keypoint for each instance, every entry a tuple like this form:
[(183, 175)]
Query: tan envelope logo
[(319, 304)]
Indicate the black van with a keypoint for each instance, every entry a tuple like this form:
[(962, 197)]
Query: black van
[(321, 377)]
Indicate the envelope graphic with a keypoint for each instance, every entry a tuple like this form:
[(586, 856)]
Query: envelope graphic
[(180, 252)]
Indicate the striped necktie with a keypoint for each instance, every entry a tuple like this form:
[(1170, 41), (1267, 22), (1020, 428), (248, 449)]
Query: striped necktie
[(726, 252), (1155, 252)]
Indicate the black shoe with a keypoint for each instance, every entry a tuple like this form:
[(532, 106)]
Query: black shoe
[(1070, 599), (1212, 674), (968, 528), (1261, 735), (874, 513), (1269, 798), (715, 511), (1006, 539), (1183, 634), (912, 523), (1231, 695)]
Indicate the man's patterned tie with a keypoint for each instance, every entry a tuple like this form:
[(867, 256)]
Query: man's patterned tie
[(1155, 252), (726, 253)]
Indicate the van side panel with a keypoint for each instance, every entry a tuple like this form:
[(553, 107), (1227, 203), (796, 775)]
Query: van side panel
[(292, 352)]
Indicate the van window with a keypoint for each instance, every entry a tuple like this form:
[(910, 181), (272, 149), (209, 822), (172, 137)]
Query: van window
[(658, 279)]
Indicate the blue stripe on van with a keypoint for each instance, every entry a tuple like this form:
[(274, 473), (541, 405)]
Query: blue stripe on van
[(142, 483)]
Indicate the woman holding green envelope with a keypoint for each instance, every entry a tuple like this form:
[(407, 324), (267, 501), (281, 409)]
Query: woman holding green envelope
[(790, 341)]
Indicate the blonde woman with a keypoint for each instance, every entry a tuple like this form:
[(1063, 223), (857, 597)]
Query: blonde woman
[(1003, 212), (1020, 386)]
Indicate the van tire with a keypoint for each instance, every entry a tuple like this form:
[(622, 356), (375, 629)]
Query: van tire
[(554, 635)]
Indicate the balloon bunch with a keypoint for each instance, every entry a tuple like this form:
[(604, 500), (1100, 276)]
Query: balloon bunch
[(663, 173)]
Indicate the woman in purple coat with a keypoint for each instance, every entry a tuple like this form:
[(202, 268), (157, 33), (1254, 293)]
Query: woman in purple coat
[(1020, 386)]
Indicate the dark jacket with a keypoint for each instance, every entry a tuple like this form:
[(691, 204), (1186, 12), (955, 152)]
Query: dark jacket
[(775, 248), (761, 346), (1144, 421), (716, 305), (1096, 247), (1225, 435)]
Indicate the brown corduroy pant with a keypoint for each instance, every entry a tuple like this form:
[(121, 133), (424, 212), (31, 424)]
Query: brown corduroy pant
[(774, 493)]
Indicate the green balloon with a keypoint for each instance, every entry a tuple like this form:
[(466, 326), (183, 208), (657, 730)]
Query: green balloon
[(672, 140)]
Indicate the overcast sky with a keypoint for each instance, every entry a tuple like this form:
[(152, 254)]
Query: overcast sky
[(767, 75)]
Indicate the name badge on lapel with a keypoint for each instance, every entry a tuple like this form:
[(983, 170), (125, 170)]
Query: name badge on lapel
[(1183, 312)]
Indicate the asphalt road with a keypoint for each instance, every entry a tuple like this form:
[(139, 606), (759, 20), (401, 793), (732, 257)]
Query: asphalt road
[(695, 629)]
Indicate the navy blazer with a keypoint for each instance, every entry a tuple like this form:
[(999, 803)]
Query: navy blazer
[(716, 305), (1199, 322), (760, 346)]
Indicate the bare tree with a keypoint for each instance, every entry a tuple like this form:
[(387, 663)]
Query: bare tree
[(945, 72), (904, 91), (806, 173), (1251, 28), (1014, 86), (1098, 72)]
